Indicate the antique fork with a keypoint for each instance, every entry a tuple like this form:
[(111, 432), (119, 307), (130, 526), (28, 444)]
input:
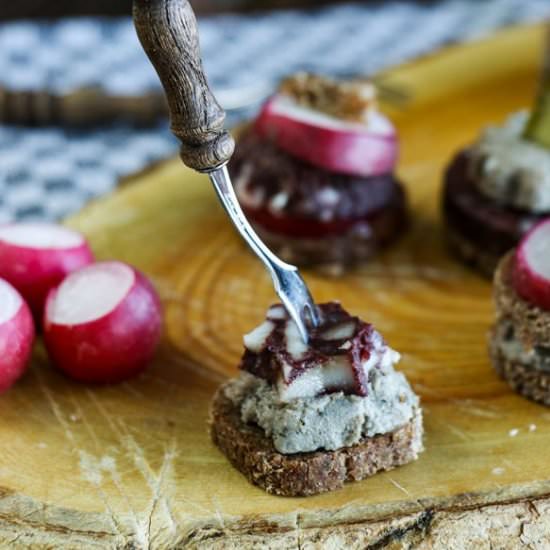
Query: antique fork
[(168, 33)]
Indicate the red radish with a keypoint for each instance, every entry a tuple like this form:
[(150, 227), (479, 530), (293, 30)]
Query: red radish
[(532, 266), (35, 257), (103, 323), (339, 146), (16, 335)]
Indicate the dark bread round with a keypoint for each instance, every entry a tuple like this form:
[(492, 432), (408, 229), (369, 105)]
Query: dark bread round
[(526, 380), (304, 474), (480, 230), (531, 323)]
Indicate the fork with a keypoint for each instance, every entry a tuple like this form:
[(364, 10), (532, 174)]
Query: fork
[(168, 33)]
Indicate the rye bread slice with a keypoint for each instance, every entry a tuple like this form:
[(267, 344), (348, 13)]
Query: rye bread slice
[(527, 380), (531, 323), (303, 474)]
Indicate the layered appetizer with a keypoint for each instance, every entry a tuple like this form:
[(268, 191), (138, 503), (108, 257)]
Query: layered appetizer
[(314, 173), (519, 342), (303, 419), (495, 191)]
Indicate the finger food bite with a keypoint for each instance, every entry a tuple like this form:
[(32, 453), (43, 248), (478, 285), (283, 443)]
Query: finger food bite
[(314, 173), (494, 192), (519, 343), (304, 419)]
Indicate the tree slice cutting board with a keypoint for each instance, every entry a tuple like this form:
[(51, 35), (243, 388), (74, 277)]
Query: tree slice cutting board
[(132, 466)]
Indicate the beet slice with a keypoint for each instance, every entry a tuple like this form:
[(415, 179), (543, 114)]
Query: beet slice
[(340, 353)]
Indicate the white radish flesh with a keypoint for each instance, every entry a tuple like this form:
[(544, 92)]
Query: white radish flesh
[(91, 293), (40, 235)]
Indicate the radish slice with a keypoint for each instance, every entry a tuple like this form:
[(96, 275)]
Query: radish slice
[(103, 323), (344, 147), (35, 257), (16, 335), (532, 266)]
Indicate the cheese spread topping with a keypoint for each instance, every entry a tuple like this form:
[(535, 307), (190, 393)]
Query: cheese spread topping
[(329, 421), (338, 389)]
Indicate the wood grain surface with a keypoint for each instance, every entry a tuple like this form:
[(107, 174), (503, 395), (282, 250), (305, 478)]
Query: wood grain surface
[(132, 466)]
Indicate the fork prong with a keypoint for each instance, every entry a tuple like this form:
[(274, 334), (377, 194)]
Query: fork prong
[(294, 293), (289, 285)]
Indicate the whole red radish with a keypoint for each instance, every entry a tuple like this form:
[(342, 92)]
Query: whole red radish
[(103, 323), (35, 257), (532, 266), (367, 149), (16, 335)]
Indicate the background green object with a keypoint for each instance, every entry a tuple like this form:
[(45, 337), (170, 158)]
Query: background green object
[(538, 125)]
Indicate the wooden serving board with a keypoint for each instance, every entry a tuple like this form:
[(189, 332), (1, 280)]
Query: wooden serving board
[(132, 466)]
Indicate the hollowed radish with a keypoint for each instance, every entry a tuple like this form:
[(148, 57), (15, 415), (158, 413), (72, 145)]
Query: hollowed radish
[(35, 257), (16, 335), (532, 266), (339, 146), (103, 323)]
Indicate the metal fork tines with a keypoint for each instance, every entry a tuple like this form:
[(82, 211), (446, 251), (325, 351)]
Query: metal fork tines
[(289, 285)]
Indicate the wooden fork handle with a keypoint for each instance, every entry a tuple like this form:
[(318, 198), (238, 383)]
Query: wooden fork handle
[(167, 30)]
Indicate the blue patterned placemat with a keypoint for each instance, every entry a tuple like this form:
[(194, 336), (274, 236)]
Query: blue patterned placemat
[(48, 173)]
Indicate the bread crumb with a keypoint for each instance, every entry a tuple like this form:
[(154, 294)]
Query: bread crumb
[(498, 471), (348, 100), (532, 427), (41, 445), (513, 433)]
